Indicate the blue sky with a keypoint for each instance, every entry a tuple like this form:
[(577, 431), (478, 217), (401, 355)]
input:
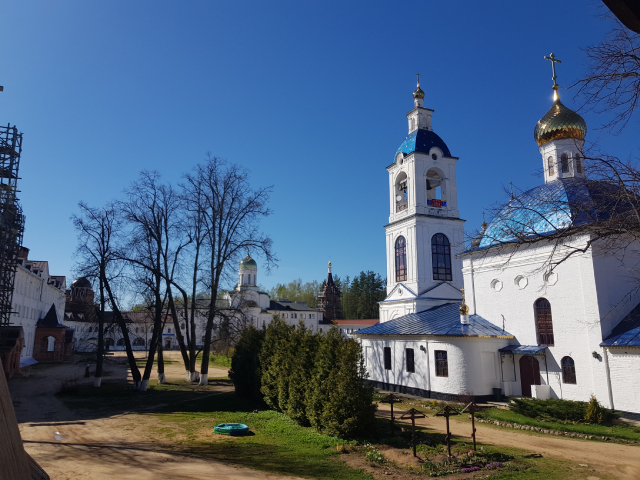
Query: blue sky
[(309, 96)]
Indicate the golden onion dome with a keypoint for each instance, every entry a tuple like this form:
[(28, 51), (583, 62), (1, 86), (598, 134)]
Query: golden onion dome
[(418, 93), (559, 122)]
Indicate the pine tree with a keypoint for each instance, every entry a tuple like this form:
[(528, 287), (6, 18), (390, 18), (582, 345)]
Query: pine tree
[(594, 412), (326, 360), (349, 410), (245, 372), (271, 359), (303, 345)]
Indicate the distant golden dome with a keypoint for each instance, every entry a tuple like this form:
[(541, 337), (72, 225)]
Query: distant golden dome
[(559, 122), (418, 93)]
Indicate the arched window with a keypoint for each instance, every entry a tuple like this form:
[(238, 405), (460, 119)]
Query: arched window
[(564, 162), (138, 342), (550, 165), (568, 370), (441, 257), (544, 324), (120, 342), (108, 342), (578, 163), (401, 259)]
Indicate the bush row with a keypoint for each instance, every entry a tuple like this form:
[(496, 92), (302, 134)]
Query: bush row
[(317, 379), (564, 411)]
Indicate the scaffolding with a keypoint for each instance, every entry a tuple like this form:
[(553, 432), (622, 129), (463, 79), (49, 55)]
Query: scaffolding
[(11, 217)]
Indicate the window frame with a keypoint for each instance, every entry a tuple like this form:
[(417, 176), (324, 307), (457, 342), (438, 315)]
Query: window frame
[(564, 163), (401, 259), (441, 363), (386, 354), (544, 322), (550, 166), (444, 274), (410, 360), (568, 370)]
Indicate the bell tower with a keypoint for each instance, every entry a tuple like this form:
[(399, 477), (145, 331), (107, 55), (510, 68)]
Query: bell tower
[(425, 232)]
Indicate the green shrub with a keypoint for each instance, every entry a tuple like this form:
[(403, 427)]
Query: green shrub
[(349, 410), (563, 411), (274, 373), (245, 372)]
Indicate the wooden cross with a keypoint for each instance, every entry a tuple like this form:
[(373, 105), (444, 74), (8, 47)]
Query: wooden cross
[(446, 412), (472, 408), (552, 58), (413, 414), (391, 399)]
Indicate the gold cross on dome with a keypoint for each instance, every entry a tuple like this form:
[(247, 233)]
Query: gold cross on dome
[(418, 75), (552, 58)]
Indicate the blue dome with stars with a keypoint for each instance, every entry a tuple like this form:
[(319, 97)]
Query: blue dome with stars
[(549, 208), (422, 141)]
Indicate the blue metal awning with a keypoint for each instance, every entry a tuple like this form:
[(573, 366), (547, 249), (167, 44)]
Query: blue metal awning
[(523, 349)]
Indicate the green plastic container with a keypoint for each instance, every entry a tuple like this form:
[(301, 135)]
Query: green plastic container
[(234, 429)]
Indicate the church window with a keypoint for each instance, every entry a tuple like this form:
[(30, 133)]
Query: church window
[(550, 165), (410, 363), (120, 342), (401, 259), (441, 257), (434, 156), (544, 323), (442, 364), (568, 370), (578, 164), (564, 162), (138, 342), (51, 342), (387, 358), (169, 330)]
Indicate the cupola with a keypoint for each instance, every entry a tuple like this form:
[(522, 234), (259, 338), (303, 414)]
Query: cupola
[(248, 272), (560, 135)]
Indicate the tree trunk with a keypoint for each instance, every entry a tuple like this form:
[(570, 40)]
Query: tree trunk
[(97, 381), (161, 377), (133, 366)]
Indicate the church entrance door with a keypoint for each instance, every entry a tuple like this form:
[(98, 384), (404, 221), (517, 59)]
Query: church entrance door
[(529, 374)]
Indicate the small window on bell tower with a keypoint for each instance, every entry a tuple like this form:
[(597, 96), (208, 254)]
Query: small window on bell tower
[(550, 166), (564, 163), (578, 163), (401, 193)]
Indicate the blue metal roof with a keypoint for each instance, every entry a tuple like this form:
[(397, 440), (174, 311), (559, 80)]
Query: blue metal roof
[(627, 332), (549, 208), (441, 320), (523, 349), (422, 141)]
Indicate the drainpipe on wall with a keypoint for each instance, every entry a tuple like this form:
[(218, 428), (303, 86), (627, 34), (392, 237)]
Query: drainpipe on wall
[(606, 366), (428, 368), (473, 288)]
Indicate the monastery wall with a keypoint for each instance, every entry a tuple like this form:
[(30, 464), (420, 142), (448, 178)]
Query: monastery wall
[(473, 366), (506, 285), (625, 381)]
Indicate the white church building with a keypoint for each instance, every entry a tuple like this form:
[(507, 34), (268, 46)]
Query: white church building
[(519, 328)]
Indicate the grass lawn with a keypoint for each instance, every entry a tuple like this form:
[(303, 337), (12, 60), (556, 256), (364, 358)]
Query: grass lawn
[(276, 444), (184, 416), (627, 432)]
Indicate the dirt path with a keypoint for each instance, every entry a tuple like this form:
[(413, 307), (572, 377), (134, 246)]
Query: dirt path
[(623, 461), (70, 447)]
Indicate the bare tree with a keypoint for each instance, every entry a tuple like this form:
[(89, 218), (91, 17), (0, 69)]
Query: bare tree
[(230, 211), (152, 210), (612, 80), (98, 231)]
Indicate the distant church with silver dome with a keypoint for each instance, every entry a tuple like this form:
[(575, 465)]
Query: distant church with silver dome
[(489, 319)]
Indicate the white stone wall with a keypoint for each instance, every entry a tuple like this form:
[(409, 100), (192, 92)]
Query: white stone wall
[(624, 365), (473, 363), (32, 299), (579, 291)]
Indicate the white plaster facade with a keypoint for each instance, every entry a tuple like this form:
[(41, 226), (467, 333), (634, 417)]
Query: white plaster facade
[(34, 291), (589, 294)]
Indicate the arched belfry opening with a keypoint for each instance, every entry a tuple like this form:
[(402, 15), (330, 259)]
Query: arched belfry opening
[(436, 189), (401, 192)]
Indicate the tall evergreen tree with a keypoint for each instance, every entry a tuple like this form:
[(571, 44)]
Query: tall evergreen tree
[(303, 346), (246, 372), (271, 360), (325, 362), (349, 410)]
